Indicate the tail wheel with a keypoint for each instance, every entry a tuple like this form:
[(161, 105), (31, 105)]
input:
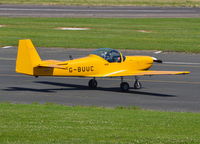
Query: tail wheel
[(124, 86), (137, 85), (92, 83)]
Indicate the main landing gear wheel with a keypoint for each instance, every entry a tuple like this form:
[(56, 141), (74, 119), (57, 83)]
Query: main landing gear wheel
[(137, 85), (92, 83), (124, 86)]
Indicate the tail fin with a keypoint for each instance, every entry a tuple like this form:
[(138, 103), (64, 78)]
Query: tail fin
[(27, 57)]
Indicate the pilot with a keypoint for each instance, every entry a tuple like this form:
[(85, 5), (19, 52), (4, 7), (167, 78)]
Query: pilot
[(115, 56), (111, 56)]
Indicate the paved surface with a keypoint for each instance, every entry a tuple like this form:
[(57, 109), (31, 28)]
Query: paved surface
[(86, 11), (168, 93)]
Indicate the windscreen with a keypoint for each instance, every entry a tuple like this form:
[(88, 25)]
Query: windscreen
[(108, 54)]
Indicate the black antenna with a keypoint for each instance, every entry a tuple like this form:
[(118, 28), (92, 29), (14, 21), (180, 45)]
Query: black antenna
[(70, 57)]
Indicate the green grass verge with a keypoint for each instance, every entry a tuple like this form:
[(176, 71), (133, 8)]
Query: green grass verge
[(49, 123), (168, 34), (186, 3)]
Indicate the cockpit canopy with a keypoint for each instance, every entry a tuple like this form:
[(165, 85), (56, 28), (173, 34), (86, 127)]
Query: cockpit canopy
[(109, 54)]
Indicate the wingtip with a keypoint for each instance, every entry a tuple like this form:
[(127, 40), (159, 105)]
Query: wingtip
[(185, 72)]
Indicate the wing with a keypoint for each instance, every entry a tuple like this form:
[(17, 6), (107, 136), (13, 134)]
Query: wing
[(140, 73), (62, 65)]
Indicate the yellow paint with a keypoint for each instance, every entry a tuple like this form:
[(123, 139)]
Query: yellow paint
[(28, 62), (27, 58)]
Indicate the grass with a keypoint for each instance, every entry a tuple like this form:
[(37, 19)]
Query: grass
[(50, 123), (167, 34), (186, 3)]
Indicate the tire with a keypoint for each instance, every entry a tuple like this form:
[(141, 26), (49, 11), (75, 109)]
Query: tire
[(92, 83), (137, 85), (124, 86)]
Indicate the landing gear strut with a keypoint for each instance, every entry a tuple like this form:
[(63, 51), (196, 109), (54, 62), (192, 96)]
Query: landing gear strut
[(124, 85), (92, 83), (137, 84)]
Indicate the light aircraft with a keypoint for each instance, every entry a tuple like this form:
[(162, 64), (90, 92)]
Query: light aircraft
[(103, 62)]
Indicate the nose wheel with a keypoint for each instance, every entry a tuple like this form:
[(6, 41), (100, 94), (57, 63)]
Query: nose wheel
[(92, 83), (137, 84)]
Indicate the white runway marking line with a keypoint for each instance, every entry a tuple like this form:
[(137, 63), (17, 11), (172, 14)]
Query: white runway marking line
[(157, 52), (7, 47), (143, 31), (181, 63), (103, 10), (72, 28), (2, 58), (109, 79)]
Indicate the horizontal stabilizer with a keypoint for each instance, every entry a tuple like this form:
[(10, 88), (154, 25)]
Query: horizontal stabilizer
[(52, 64)]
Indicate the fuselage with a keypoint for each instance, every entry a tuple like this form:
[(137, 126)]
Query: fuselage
[(95, 65)]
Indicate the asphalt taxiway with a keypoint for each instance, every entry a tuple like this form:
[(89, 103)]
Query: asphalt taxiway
[(91, 11), (167, 93)]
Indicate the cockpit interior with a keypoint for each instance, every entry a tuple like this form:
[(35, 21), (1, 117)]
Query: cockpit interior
[(109, 54)]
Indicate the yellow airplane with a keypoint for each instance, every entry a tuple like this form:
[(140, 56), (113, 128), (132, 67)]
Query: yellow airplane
[(103, 62)]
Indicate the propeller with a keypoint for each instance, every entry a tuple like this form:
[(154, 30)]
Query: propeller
[(156, 60)]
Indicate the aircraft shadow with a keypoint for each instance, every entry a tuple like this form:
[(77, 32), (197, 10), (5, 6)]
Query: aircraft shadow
[(68, 87), (30, 89)]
